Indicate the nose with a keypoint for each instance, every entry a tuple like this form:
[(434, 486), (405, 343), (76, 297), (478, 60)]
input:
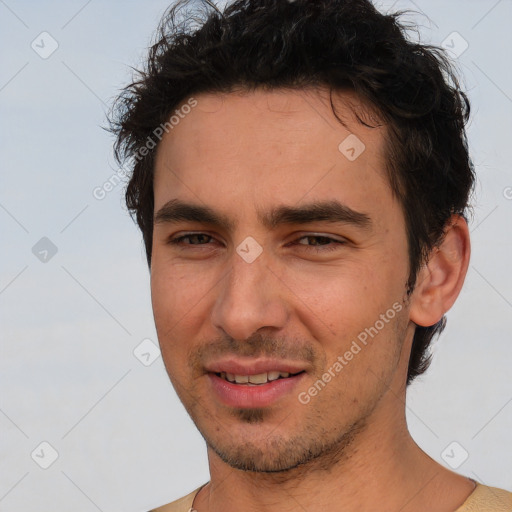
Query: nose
[(251, 296)]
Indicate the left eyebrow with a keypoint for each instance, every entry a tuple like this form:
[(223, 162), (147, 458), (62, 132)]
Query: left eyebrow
[(333, 211), (325, 211)]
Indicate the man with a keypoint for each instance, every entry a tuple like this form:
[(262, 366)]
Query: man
[(301, 179)]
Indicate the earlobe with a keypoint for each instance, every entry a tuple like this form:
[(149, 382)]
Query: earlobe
[(440, 280)]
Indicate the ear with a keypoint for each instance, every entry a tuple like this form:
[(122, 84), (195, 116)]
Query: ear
[(440, 280)]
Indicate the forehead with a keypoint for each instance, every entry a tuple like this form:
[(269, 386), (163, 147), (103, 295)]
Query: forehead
[(278, 146)]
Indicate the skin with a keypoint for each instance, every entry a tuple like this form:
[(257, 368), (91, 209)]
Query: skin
[(348, 448)]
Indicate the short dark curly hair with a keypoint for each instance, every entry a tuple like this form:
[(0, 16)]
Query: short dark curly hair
[(338, 44)]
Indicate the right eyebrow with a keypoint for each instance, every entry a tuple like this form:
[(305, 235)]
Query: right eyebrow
[(177, 210)]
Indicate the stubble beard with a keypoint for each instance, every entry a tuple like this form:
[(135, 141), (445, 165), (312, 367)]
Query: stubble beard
[(280, 459)]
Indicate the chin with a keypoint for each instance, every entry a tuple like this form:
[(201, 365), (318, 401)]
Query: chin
[(273, 453), (250, 457)]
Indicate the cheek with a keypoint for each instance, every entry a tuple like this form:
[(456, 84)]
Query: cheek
[(341, 297), (176, 289), (164, 296), (353, 314), (179, 296), (170, 315), (171, 301)]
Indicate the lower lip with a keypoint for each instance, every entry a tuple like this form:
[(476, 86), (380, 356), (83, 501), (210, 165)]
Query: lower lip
[(246, 397)]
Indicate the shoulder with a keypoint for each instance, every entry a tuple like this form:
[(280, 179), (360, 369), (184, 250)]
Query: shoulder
[(182, 505), (487, 499)]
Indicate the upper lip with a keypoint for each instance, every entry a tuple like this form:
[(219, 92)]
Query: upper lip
[(253, 366)]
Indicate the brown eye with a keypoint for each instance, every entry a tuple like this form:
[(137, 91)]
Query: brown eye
[(320, 243), (194, 238)]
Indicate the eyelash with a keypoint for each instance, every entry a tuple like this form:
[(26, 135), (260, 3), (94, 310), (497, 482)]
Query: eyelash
[(317, 248)]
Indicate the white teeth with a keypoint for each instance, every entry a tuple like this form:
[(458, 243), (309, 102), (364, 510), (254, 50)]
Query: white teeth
[(273, 375), (260, 378)]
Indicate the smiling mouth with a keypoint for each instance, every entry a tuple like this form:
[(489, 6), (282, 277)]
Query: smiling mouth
[(256, 380)]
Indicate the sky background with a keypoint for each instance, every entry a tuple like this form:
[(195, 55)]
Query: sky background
[(74, 284)]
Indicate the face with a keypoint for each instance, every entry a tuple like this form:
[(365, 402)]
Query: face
[(279, 262)]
